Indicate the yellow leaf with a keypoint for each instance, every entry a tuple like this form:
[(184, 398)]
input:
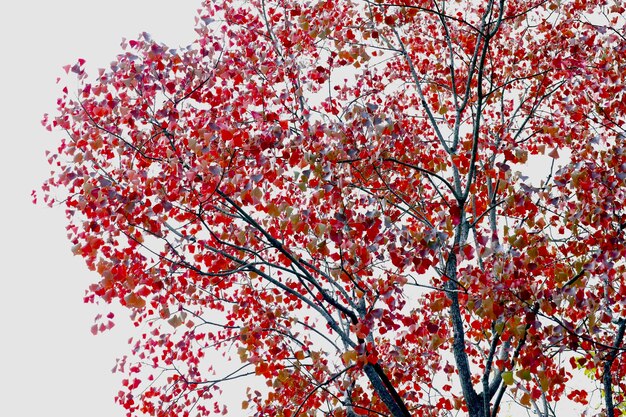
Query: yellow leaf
[(243, 354), (499, 327), (507, 377), (283, 376), (349, 356)]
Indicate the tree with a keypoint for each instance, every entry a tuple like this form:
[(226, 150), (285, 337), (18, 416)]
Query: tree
[(375, 208)]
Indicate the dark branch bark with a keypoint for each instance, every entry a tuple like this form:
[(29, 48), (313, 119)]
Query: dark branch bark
[(607, 376), (397, 408), (487, 395), (474, 403)]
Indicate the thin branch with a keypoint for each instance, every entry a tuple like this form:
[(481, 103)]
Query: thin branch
[(424, 171), (320, 385)]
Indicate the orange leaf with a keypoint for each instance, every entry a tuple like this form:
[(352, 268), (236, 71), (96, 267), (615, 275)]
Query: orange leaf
[(554, 153), (133, 300)]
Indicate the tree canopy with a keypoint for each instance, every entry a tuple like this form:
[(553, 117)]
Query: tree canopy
[(410, 208)]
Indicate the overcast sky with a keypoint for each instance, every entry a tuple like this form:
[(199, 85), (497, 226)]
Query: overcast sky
[(50, 364)]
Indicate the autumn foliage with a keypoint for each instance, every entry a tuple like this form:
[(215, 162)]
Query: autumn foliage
[(367, 208)]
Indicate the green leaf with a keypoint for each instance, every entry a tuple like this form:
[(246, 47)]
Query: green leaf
[(507, 377)]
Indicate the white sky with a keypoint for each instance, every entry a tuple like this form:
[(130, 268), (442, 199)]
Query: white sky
[(50, 364)]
